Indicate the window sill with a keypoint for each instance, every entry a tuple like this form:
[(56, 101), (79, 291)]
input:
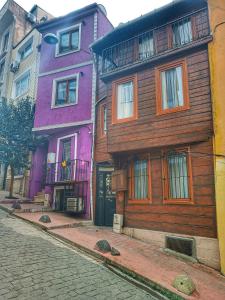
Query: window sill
[(66, 53), (119, 121), (141, 201), (172, 110), (63, 105), (179, 201)]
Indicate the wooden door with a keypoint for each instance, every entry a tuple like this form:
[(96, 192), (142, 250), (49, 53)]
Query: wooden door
[(105, 198)]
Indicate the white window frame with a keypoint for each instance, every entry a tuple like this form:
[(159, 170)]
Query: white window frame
[(54, 91), (22, 48), (59, 32), (19, 78)]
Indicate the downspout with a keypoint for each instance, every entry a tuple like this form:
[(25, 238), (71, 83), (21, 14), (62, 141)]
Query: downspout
[(94, 88)]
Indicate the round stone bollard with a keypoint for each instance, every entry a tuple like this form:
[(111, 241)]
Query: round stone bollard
[(16, 205), (184, 284), (45, 219), (103, 246)]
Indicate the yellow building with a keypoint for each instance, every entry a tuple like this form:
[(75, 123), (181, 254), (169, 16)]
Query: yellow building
[(217, 65), (22, 83)]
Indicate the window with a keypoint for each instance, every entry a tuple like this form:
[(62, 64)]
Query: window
[(2, 65), (139, 180), (172, 87), (22, 84), (26, 50), (5, 42), (124, 100), (177, 176), (182, 32), (146, 45), (103, 120), (69, 40), (66, 92)]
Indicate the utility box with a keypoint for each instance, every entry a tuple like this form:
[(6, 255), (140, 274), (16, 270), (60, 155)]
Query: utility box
[(117, 223), (119, 181)]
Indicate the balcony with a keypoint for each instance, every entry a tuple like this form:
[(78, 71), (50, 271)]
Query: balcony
[(67, 172), (188, 30)]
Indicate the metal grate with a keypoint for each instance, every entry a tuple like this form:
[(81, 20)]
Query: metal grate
[(181, 245)]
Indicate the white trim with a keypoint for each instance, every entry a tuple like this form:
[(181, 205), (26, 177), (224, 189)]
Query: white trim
[(18, 78), (57, 151), (54, 85), (94, 82), (59, 187), (65, 125), (86, 63), (57, 54)]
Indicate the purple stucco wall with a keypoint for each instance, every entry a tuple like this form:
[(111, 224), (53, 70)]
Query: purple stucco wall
[(62, 117)]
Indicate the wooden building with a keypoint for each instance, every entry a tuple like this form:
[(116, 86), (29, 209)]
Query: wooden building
[(154, 130)]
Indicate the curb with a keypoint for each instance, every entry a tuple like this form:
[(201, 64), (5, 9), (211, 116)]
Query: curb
[(142, 279)]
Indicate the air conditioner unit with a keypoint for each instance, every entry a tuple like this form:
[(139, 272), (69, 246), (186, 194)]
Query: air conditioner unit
[(14, 67), (32, 18), (75, 204)]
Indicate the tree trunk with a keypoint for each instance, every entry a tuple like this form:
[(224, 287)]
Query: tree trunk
[(11, 182), (5, 177)]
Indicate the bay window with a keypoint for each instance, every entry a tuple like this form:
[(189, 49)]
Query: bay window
[(124, 106), (177, 176), (140, 180), (172, 87)]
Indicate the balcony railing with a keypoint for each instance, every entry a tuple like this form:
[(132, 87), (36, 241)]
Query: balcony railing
[(145, 46), (67, 171)]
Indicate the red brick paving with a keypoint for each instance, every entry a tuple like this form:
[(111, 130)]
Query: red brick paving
[(148, 261)]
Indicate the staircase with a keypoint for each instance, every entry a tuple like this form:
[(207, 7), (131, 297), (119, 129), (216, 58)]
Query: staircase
[(40, 198)]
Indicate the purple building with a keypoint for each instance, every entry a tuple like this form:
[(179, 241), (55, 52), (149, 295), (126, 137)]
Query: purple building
[(65, 108)]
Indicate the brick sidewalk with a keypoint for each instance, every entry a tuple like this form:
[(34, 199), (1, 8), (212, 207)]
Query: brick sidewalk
[(144, 260), (148, 261)]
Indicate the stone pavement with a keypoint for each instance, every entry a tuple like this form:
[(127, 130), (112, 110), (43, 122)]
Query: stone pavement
[(33, 265)]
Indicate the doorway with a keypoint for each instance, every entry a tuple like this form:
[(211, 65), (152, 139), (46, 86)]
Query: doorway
[(105, 198)]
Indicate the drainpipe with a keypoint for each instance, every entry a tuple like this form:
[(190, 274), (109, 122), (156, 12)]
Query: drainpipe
[(94, 89)]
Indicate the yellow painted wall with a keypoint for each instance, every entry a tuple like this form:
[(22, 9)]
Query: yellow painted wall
[(29, 63), (217, 66)]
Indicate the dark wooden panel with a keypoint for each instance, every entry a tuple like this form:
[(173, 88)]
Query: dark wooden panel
[(198, 218), (150, 130)]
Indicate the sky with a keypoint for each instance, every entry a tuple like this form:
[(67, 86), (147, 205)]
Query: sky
[(117, 10)]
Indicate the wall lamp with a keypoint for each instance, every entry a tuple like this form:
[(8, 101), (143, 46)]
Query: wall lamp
[(51, 38)]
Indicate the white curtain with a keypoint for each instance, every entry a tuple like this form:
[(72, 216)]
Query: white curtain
[(172, 88), (178, 176), (146, 46), (125, 100), (182, 33), (141, 179)]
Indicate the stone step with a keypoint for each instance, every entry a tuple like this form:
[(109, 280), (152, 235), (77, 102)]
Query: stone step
[(38, 199)]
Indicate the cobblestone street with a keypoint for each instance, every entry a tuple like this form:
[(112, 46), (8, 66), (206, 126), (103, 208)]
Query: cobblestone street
[(34, 265)]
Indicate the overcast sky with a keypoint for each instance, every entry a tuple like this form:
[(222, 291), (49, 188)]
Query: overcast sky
[(117, 10)]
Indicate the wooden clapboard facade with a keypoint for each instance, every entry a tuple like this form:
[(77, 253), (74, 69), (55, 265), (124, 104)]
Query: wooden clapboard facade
[(153, 136)]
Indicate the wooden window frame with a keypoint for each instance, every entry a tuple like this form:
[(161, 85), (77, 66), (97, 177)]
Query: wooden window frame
[(70, 47), (115, 84), (159, 102), (102, 119), (55, 91), (165, 177), (131, 199)]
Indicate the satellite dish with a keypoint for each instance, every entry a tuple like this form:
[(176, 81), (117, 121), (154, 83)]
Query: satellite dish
[(51, 39)]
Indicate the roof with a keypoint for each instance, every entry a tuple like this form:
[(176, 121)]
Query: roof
[(150, 20), (79, 13)]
